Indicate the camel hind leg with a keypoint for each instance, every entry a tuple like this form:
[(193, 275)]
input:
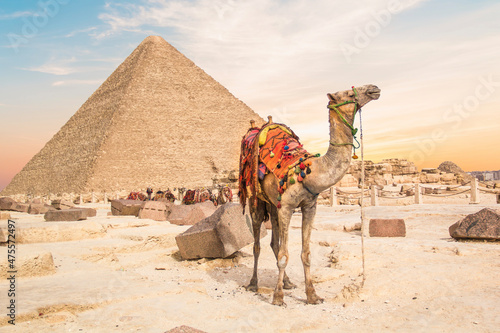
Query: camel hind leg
[(258, 214), (275, 243)]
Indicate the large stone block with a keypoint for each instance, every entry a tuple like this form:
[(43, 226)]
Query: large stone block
[(88, 212), (219, 235), (179, 213), (7, 203), (387, 228), (21, 207), (73, 214), (39, 208), (126, 207), (154, 210), (197, 213), (60, 204), (484, 224)]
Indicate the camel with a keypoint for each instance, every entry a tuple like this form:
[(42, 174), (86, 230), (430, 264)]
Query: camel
[(324, 172)]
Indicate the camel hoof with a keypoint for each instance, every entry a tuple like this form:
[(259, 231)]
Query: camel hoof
[(252, 287), (289, 285), (315, 299), (279, 302), (278, 299)]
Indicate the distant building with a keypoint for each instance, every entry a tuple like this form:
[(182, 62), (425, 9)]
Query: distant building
[(486, 175)]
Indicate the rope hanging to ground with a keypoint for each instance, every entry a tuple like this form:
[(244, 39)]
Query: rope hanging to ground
[(363, 274)]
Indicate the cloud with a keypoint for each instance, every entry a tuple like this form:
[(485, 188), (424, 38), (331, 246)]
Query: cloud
[(61, 67), (16, 15), (75, 32), (76, 82), (52, 69)]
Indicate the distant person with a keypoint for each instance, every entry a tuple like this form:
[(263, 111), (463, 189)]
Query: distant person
[(149, 191)]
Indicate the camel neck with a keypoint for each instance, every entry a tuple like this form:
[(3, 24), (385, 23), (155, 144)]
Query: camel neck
[(330, 168)]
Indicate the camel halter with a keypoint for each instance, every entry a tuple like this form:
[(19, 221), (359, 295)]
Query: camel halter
[(354, 131)]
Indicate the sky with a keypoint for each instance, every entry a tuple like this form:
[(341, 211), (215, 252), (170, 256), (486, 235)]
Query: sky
[(436, 62)]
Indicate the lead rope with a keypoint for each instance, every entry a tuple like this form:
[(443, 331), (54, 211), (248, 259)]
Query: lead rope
[(362, 206)]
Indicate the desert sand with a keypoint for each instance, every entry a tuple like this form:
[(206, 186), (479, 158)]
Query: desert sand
[(124, 274)]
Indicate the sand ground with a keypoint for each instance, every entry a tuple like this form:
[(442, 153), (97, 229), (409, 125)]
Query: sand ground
[(129, 278)]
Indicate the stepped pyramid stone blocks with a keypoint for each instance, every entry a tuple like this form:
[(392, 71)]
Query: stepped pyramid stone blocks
[(158, 120)]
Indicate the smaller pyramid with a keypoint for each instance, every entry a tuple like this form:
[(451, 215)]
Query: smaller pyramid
[(158, 120)]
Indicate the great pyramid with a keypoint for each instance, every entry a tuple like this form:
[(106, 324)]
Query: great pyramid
[(159, 120)]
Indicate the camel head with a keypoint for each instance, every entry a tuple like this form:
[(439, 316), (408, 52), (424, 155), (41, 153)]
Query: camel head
[(360, 95), (365, 94)]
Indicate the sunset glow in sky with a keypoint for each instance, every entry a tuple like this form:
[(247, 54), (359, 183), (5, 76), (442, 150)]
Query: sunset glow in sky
[(437, 63)]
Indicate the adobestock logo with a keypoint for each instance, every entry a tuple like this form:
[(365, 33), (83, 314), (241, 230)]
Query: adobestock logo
[(33, 23)]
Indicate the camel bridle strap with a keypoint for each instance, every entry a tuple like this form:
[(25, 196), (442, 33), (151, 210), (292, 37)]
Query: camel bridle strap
[(354, 131)]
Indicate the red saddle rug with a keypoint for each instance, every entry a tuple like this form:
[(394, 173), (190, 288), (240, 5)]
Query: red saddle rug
[(276, 147)]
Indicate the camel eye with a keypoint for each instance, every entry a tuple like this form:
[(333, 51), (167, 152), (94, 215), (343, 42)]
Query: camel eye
[(350, 94)]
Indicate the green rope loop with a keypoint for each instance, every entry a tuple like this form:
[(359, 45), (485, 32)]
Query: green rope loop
[(334, 107), (354, 131)]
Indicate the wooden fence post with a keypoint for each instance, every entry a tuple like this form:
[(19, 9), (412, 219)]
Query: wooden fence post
[(418, 194), (374, 195), (474, 191), (333, 196)]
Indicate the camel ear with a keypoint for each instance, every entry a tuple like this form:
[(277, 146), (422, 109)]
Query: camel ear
[(330, 97)]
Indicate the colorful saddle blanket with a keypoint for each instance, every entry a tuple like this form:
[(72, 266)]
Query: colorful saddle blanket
[(276, 149), (137, 196), (280, 150)]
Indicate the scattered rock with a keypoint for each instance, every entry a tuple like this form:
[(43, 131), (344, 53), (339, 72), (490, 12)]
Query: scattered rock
[(179, 214), (126, 207), (184, 329), (7, 203), (387, 228), (352, 227), (219, 235), (88, 212), (484, 224), (199, 212), (39, 208), (61, 204), (154, 210), (74, 214), (21, 207)]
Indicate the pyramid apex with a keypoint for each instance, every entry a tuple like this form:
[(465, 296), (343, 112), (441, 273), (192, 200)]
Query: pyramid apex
[(154, 39)]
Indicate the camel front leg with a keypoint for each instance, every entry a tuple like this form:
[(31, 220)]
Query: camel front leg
[(257, 215), (284, 216), (308, 214)]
